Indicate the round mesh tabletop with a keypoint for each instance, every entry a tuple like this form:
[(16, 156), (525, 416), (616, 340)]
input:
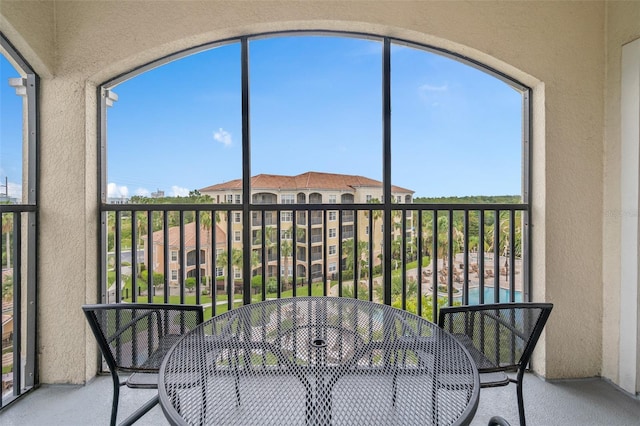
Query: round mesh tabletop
[(318, 361)]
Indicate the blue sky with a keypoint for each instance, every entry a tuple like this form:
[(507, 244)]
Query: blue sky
[(315, 106), (10, 132)]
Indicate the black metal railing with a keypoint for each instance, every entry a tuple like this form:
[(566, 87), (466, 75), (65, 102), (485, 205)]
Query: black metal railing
[(441, 254), (17, 328)]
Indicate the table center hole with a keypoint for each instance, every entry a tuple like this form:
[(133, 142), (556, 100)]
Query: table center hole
[(318, 343)]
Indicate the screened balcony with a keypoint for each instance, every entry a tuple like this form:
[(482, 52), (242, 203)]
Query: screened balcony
[(576, 221)]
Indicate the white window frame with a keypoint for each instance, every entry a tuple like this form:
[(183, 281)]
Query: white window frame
[(333, 215), (237, 236), (237, 273), (174, 275), (333, 267), (238, 198), (333, 199), (229, 199), (286, 216), (333, 232), (333, 249), (219, 271), (368, 198), (237, 217), (287, 198), (174, 256)]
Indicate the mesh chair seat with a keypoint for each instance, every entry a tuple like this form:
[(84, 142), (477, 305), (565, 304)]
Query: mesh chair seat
[(135, 338), (500, 337)]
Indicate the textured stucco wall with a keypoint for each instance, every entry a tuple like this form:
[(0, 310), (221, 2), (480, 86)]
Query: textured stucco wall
[(623, 26), (32, 32), (555, 47)]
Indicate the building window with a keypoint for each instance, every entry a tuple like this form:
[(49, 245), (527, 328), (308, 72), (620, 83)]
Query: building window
[(229, 198), (368, 198), (237, 273), (237, 217), (333, 267), (332, 199), (285, 234), (286, 216), (237, 236), (174, 255), (287, 199), (333, 215), (399, 199), (366, 230), (333, 232), (289, 270), (174, 275), (332, 249), (219, 272), (238, 198)]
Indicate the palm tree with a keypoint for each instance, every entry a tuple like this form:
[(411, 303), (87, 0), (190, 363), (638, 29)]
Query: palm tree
[(205, 222), (7, 229), (286, 248), (7, 288), (348, 254), (141, 225), (222, 261)]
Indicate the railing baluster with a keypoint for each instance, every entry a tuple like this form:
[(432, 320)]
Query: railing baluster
[(197, 256), (465, 285), (481, 259), (434, 256), (213, 282), (167, 271), (419, 270), (496, 256), (149, 257)]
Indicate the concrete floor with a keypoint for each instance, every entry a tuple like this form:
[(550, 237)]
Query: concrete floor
[(576, 402)]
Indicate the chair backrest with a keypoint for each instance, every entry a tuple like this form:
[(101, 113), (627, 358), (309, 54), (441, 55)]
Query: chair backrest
[(504, 333), (135, 336)]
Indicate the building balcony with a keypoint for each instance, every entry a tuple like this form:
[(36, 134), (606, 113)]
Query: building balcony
[(578, 249)]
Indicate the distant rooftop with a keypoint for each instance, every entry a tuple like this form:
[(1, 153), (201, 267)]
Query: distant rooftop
[(305, 181)]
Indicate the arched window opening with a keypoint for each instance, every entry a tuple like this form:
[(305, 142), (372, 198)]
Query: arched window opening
[(428, 149)]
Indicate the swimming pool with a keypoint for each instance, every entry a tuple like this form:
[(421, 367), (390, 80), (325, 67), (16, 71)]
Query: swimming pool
[(474, 295)]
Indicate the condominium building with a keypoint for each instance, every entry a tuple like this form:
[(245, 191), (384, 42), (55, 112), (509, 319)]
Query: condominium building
[(334, 226)]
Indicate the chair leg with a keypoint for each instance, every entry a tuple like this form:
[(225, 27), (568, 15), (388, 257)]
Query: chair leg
[(141, 411), (523, 421), (116, 397)]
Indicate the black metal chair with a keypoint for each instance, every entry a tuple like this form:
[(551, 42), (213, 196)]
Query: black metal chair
[(135, 338), (500, 338)]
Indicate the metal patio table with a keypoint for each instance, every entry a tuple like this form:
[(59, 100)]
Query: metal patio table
[(318, 361)]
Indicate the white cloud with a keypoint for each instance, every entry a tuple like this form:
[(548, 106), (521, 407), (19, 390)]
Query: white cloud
[(178, 191), (117, 191), (15, 190), (430, 88), (143, 192), (223, 137)]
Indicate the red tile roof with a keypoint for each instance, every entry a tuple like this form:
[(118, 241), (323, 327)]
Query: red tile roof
[(305, 181)]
